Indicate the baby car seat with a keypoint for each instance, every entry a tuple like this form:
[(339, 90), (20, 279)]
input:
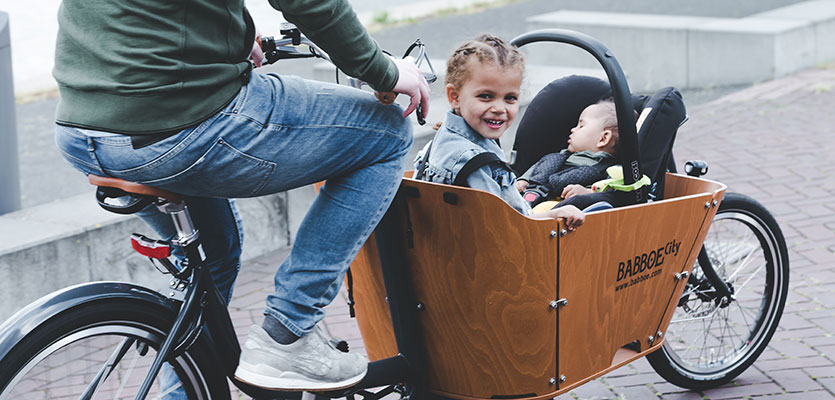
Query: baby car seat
[(552, 113)]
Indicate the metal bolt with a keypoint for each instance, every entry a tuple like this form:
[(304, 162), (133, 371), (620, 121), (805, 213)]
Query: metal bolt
[(171, 294), (420, 307), (553, 234), (172, 284), (715, 202), (659, 334), (552, 381), (707, 204), (554, 304), (563, 232), (562, 378), (651, 339)]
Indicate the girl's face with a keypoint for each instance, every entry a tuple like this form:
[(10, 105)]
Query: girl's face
[(489, 99)]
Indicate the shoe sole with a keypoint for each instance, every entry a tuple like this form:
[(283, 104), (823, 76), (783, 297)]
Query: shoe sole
[(290, 384)]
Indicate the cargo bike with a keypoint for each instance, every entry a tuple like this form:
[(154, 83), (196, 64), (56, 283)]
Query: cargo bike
[(456, 294)]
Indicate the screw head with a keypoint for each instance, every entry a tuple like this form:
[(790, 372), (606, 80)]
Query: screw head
[(552, 381), (562, 378), (553, 234), (707, 204), (421, 307), (563, 232), (659, 334), (715, 202)]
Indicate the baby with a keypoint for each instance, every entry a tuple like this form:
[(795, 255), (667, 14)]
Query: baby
[(592, 147)]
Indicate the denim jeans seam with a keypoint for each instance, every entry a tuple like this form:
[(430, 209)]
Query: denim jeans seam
[(240, 101), (173, 151), (260, 125), (258, 161), (120, 141), (80, 161), (270, 166), (393, 133), (292, 327)]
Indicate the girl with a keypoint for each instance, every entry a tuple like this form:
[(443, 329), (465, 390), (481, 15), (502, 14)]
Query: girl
[(483, 83)]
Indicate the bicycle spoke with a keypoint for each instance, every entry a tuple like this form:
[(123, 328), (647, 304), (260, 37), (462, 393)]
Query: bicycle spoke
[(107, 368), (760, 268)]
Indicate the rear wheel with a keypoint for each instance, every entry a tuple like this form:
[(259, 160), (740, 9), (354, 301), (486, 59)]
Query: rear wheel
[(710, 340), (103, 351)]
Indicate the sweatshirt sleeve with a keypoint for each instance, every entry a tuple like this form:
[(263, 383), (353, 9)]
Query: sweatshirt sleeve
[(333, 26)]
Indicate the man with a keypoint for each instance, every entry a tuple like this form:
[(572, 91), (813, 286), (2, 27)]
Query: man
[(162, 93)]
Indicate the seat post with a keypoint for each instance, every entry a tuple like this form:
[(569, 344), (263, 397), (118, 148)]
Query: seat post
[(186, 232)]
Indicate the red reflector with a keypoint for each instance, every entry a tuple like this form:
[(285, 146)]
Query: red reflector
[(530, 196), (149, 247)]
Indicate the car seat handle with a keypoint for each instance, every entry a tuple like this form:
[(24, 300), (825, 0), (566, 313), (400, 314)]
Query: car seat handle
[(629, 151)]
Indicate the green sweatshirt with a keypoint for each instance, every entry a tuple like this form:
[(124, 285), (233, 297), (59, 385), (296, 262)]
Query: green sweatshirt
[(149, 66)]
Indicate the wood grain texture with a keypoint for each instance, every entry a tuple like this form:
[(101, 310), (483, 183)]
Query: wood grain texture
[(486, 276), (682, 186), (373, 316), (611, 302)]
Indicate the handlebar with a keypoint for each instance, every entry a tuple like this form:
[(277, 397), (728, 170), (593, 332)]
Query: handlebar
[(287, 47)]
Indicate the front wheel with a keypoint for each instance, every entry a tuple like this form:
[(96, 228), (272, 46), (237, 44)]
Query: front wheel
[(103, 350), (710, 341)]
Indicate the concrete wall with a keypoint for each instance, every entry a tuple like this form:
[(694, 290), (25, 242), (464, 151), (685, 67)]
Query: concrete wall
[(697, 52), (71, 241)]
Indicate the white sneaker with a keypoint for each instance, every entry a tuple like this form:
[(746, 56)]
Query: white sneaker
[(311, 363)]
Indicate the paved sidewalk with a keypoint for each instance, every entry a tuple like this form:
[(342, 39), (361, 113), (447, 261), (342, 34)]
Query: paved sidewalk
[(775, 142)]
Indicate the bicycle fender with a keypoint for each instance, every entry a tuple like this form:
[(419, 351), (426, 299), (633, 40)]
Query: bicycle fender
[(23, 322)]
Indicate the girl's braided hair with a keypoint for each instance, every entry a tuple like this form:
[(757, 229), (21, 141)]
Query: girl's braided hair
[(486, 48)]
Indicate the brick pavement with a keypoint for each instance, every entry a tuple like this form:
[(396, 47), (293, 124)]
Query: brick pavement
[(775, 142)]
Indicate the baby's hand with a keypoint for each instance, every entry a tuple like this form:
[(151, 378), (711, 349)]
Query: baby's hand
[(572, 216), (521, 185), (575, 190)]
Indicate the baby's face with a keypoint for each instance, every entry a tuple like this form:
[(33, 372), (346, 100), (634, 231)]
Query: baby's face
[(589, 130), (489, 99)]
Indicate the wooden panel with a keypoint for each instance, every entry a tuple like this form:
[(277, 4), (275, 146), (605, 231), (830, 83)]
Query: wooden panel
[(372, 310), (717, 193), (486, 275), (611, 302), (676, 185)]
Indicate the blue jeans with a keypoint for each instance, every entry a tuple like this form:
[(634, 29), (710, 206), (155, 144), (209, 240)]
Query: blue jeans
[(279, 133)]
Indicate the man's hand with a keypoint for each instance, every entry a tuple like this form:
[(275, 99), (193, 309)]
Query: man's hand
[(575, 190), (257, 54), (412, 83)]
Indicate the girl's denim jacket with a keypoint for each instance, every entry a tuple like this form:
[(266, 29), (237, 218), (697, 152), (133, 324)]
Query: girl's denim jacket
[(454, 144)]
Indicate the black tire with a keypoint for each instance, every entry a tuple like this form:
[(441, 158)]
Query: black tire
[(60, 357), (708, 343)]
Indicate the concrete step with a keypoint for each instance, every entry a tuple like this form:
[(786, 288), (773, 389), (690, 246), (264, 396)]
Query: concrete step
[(697, 52), (70, 241)]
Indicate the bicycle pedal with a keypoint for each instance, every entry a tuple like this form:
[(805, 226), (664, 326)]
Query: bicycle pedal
[(156, 249)]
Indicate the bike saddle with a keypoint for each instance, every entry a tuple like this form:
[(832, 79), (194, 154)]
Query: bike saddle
[(133, 196)]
